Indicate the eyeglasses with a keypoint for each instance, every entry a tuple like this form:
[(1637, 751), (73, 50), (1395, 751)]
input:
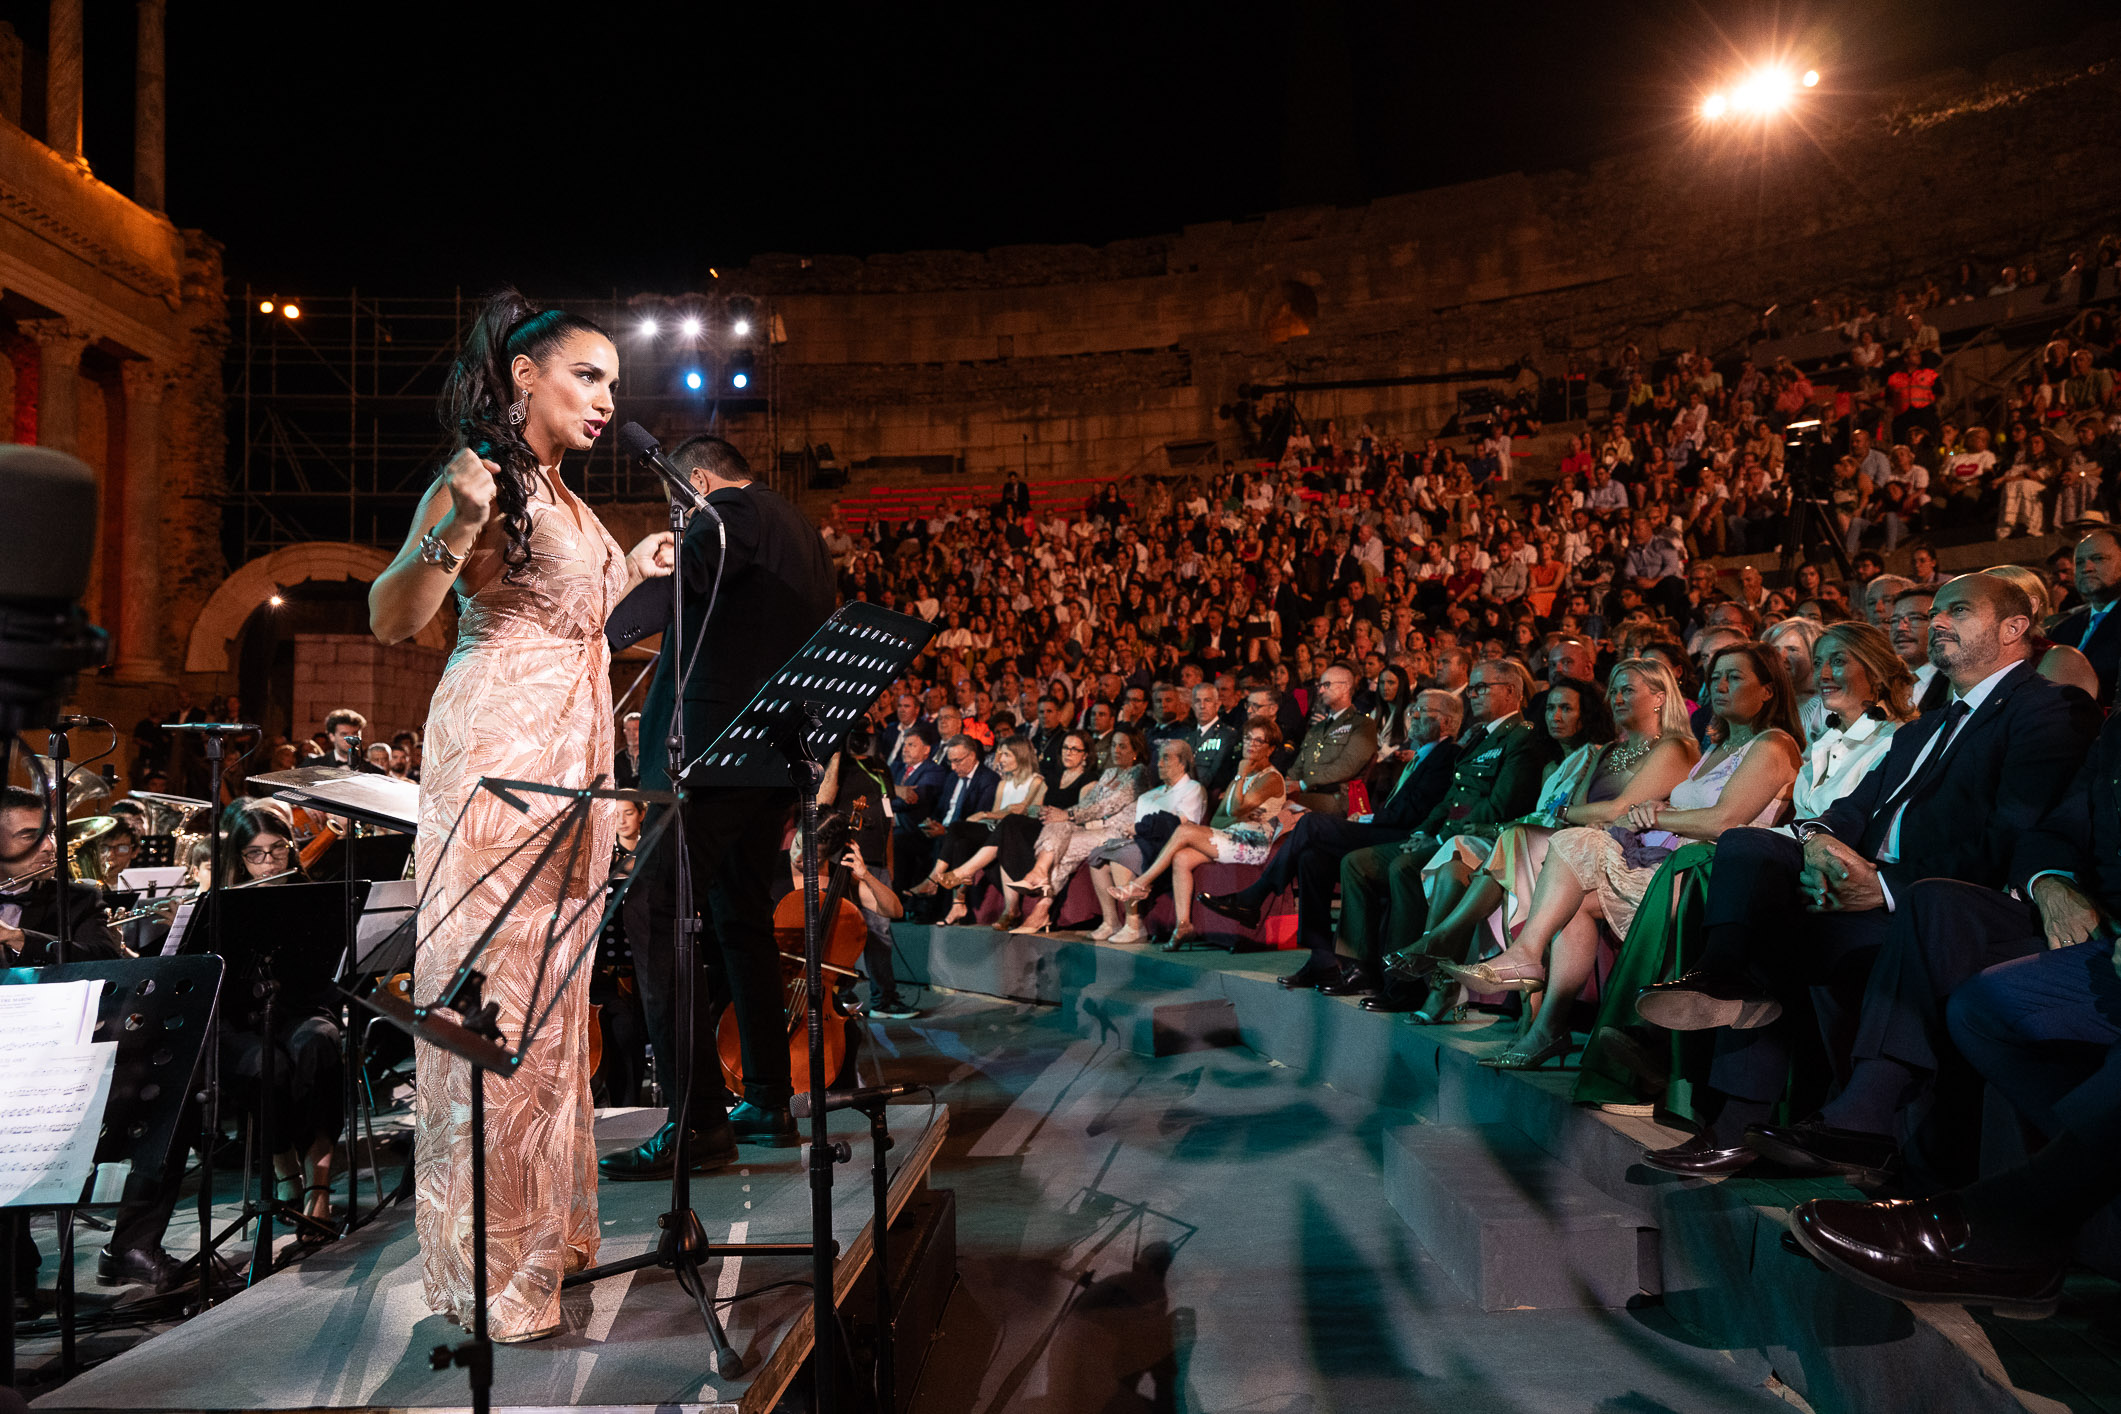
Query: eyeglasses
[(1070, 746), (265, 854)]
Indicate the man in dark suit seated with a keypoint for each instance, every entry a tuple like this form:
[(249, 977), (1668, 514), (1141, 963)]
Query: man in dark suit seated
[(1944, 933), (1784, 918), (2092, 628), (917, 783), (2045, 1030), (1495, 779), (1318, 842), (967, 788)]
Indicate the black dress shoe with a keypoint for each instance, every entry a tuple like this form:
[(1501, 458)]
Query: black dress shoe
[(1231, 907), (657, 1159), (1353, 981), (1394, 999), (1308, 976), (1811, 1149), (1926, 1250), (150, 1267), (755, 1124), (1700, 1158), (1700, 1001)]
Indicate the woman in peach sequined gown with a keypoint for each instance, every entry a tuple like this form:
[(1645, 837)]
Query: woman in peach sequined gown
[(526, 696)]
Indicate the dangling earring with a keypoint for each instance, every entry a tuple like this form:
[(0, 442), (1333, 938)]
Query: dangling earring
[(519, 409)]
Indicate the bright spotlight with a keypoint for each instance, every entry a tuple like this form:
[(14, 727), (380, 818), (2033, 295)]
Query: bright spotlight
[(290, 311), (264, 306), (690, 328), (1713, 106), (741, 328), (276, 601), (1763, 91), (1811, 78), (739, 380), (648, 327), (693, 381)]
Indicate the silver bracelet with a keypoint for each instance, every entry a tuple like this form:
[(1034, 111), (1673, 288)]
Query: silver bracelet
[(434, 552)]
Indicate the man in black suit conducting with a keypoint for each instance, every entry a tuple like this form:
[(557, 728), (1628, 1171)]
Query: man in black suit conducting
[(1784, 919), (2093, 628), (776, 588)]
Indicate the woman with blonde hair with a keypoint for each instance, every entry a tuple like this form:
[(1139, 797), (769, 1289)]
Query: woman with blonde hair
[(1794, 638), (1594, 874), (2058, 662), (1470, 882)]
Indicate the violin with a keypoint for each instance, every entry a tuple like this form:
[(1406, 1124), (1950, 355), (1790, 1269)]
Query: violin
[(840, 950)]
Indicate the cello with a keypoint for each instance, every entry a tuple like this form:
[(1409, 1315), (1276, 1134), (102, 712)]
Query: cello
[(843, 934)]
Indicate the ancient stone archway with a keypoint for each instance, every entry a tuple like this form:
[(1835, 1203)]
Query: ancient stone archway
[(219, 624)]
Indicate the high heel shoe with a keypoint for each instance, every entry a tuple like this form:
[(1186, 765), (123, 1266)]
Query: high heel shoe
[(1184, 938), (1442, 1009), (1496, 975), (1518, 1058), (1132, 933), (1103, 932), (1022, 886)]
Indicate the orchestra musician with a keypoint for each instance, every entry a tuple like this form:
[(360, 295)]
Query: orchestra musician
[(29, 893), (308, 1102)]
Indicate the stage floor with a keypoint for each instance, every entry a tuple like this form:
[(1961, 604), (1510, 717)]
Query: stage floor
[(347, 1328)]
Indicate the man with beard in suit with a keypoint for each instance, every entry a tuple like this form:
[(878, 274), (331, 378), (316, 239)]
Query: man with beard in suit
[(2092, 627)]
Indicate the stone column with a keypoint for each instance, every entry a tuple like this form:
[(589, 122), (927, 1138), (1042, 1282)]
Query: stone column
[(147, 108), (59, 347), (140, 609), (62, 81)]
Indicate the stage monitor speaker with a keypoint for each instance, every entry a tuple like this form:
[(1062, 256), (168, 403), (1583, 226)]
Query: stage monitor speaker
[(923, 1274)]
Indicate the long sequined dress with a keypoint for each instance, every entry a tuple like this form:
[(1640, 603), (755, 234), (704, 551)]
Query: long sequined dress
[(526, 696)]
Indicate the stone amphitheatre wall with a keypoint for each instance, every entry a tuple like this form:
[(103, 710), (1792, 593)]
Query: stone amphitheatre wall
[(1078, 361)]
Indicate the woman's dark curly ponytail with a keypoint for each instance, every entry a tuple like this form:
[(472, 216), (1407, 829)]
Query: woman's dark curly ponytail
[(477, 394)]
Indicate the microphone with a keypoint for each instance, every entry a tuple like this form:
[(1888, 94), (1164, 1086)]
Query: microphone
[(209, 726), (636, 442), (853, 1099), (69, 722)]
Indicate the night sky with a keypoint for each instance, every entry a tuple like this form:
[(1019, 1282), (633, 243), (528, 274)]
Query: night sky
[(633, 146)]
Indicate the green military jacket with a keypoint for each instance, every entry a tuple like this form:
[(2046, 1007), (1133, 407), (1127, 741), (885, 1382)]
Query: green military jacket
[(1497, 780)]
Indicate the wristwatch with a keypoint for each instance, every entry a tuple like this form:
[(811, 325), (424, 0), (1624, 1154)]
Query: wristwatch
[(434, 552), (1805, 829)]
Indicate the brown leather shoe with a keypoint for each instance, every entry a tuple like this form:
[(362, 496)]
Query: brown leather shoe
[(1925, 1250)]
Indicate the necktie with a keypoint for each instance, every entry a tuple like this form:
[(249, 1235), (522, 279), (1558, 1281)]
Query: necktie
[(950, 815), (1933, 764)]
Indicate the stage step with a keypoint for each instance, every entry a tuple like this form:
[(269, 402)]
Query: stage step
[(1513, 1227), (1156, 1023)]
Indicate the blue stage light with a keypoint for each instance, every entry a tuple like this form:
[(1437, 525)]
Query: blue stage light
[(693, 381), (740, 379)]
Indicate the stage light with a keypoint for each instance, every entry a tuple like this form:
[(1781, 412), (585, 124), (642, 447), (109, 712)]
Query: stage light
[(1811, 78), (648, 328), (741, 328), (265, 306), (1763, 91), (1713, 106), (689, 327), (276, 601), (693, 381), (291, 311), (739, 379)]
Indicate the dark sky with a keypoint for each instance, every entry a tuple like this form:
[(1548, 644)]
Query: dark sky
[(633, 146)]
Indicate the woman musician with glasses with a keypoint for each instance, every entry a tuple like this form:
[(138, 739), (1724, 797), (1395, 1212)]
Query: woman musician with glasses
[(308, 1102)]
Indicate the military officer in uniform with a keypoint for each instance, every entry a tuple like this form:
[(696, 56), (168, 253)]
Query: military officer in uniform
[(1215, 741), (1500, 762), (1336, 750)]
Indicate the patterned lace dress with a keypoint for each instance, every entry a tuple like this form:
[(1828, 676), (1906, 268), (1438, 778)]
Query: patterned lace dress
[(526, 696)]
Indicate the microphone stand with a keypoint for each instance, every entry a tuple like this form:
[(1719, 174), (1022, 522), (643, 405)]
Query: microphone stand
[(684, 1244)]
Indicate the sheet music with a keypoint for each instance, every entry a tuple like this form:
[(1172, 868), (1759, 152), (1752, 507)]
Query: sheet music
[(177, 927), (46, 1014), (50, 1116)]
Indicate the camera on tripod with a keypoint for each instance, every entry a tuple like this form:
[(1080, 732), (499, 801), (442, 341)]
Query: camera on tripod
[(1807, 461)]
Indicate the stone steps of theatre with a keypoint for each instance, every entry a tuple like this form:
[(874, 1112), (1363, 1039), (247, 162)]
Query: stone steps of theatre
[(1567, 1175)]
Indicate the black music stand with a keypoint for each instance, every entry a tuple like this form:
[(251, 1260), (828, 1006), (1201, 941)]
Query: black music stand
[(796, 721), (282, 944), (461, 1022), (158, 1010)]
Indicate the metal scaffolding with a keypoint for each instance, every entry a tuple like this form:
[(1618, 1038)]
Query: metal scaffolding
[(339, 437)]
